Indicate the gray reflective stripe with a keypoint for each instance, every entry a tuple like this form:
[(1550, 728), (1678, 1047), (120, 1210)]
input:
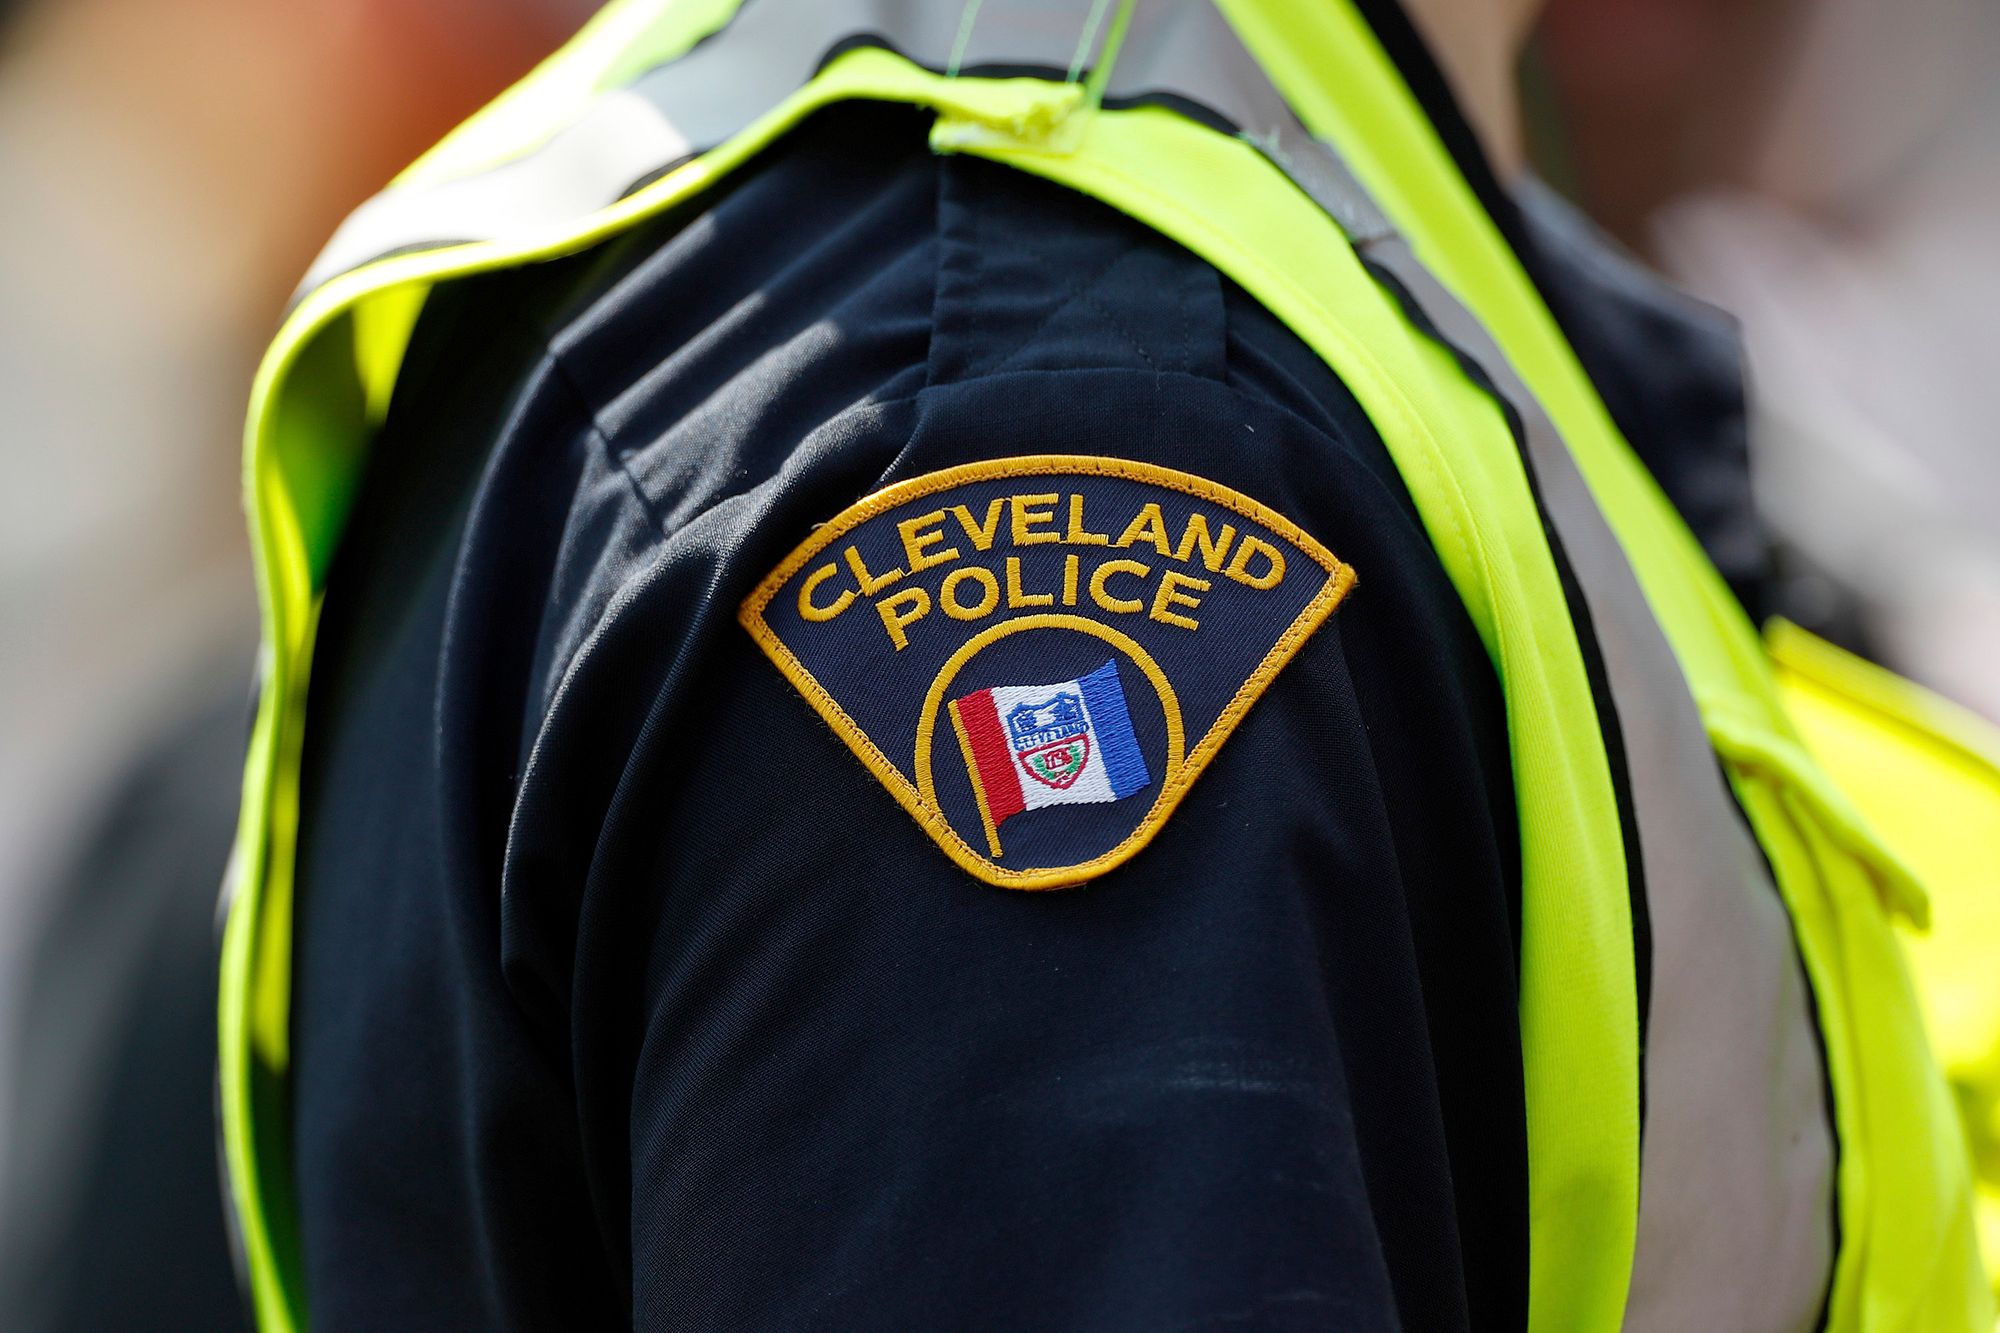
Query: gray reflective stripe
[(1186, 48), (689, 105), (619, 140), (1735, 1215), (712, 93)]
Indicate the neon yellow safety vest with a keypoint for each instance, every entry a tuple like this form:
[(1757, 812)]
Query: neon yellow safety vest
[(1277, 141)]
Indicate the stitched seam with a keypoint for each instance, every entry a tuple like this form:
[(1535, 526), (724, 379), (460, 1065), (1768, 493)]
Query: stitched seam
[(1081, 292), (1076, 292), (595, 421), (645, 502), (1187, 337)]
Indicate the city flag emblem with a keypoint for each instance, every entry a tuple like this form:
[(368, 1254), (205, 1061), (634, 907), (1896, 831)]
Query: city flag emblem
[(1038, 656), (1031, 746)]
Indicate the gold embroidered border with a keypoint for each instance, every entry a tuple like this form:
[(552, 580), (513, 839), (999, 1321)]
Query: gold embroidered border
[(921, 804)]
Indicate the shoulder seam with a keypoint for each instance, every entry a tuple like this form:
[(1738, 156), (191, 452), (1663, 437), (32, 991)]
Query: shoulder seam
[(612, 456)]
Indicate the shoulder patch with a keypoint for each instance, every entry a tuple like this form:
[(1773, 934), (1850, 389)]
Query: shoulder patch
[(1037, 656)]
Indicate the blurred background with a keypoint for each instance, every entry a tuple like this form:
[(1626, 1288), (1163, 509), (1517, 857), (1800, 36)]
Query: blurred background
[(1827, 170), (168, 168)]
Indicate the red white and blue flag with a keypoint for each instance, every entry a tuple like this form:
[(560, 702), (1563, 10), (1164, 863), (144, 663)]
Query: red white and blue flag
[(1030, 746)]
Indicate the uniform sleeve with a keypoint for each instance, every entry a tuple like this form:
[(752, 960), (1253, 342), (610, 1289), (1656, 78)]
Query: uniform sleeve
[(845, 1082), (1262, 1071)]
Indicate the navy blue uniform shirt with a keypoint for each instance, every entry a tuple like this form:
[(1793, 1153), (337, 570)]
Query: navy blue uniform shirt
[(627, 996)]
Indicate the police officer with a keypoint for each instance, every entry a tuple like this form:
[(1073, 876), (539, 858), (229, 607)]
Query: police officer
[(996, 667)]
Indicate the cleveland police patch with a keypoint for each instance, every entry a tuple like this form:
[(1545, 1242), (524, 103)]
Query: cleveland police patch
[(1037, 656)]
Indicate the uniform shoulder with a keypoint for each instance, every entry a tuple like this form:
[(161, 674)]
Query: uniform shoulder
[(967, 407), (852, 276), (856, 313)]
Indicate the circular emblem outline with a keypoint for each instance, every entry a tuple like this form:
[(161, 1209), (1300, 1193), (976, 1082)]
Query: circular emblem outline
[(1170, 781)]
